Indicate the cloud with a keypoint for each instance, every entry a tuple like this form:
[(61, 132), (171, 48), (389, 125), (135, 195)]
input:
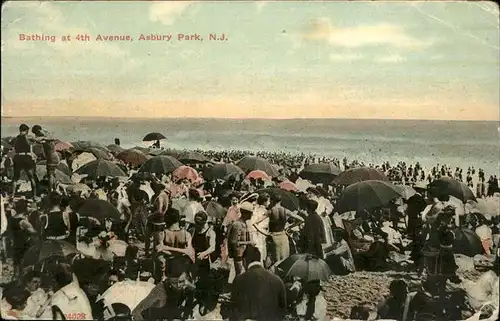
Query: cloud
[(392, 58), (362, 36), (350, 57), (168, 12)]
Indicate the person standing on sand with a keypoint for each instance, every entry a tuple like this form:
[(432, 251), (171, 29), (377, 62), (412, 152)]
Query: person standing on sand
[(23, 159), (51, 156)]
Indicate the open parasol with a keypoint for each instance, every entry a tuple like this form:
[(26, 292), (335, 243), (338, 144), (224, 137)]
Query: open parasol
[(452, 187), (153, 136), (250, 163), (222, 171), (305, 266), (320, 173), (101, 167), (100, 209), (359, 174), (132, 156), (288, 199), (130, 293), (160, 165)]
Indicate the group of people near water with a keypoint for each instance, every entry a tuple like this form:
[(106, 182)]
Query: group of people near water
[(197, 262)]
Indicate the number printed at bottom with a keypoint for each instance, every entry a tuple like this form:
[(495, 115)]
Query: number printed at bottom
[(76, 316)]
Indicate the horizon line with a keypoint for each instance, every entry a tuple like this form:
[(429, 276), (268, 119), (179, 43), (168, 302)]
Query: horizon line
[(246, 118)]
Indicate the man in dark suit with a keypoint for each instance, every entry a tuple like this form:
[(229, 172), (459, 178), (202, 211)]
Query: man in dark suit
[(257, 294)]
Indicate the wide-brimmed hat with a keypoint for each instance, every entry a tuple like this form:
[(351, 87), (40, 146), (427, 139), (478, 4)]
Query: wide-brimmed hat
[(246, 206)]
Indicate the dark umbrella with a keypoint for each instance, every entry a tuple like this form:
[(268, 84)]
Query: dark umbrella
[(153, 136), (160, 165), (359, 174), (41, 173), (366, 195), (467, 242), (192, 157), (450, 186), (171, 152), (222, 171), (145, 150), (61, 166), (320, 173), (100, 167), (250, 163), (115, 149), (215, 210), (100, 209), (99, 153), (288, 199), (132, 156), (83, 145), (305, 266), (46, 250)]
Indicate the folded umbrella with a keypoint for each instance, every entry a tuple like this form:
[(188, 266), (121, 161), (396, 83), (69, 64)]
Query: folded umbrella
[(132, 156), (305, 266), (101, 167), (160, 165), (100, 209), (452, 187), (359, 174), (366, 195), (152, 137), (250, 163)]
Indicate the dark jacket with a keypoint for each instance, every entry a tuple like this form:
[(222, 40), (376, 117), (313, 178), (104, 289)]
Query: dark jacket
[(258, 295), (314, 234)]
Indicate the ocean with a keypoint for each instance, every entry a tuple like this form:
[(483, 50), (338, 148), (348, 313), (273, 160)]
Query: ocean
[(455, 143)]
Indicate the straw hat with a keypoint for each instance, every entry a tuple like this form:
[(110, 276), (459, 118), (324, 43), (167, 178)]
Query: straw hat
[(246, 206)]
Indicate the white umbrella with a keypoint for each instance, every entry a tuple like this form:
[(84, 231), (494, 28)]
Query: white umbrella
[(303, 184), (82, 159), (130, 293)]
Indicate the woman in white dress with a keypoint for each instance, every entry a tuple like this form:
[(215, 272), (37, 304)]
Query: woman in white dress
[(259, 231)]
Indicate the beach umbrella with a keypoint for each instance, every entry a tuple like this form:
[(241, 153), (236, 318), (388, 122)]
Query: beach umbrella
[(160, 165), (132, 156), (258, 174), (305, 266), (185, 172), (100, 209), (41, 173), (152, 137), (366, 195), (171, 152), (115, 149), (63, 167), (222, 171), (214, 209), (99, 153), (467, 242), (192, 157), (452, 187), (99, 168), (288, 186), (288, 199), (82, 159), (60, 146), (83, 145), (128, 292), (250, 163), (359, 174), (320, 173), (46, 250), (408, 191)]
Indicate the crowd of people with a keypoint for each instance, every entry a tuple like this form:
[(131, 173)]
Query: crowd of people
[(194, 244)]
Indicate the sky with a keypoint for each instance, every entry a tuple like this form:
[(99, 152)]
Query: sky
[(309, 59)]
